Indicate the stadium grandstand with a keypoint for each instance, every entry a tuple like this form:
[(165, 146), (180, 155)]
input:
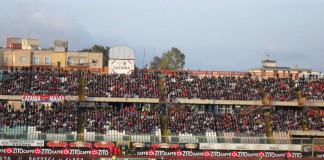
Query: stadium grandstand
[(162, 110)]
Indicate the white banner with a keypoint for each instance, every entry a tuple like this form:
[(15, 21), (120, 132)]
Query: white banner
[(42, 98), (252, 147), (22, 143), (121, 66)]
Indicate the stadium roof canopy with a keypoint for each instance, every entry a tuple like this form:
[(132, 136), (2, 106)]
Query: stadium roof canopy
[(121, 52)]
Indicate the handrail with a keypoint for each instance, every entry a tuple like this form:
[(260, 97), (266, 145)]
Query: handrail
[(254, 109), (153, 138)]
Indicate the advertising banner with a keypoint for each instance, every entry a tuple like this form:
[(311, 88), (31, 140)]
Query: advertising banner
[(318, 155), (22, 143), (319, 148), (121, 66), (307, 150), (42, 98), (235, 154), (54, 151), (5, 157), (165, 145), (319, 151), (256, 147), (79, 144), (12, 151)]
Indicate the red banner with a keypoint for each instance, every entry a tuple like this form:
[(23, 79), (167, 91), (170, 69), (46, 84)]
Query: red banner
[(319, 148)]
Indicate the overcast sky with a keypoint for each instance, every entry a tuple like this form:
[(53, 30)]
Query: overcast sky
[(231, 35)]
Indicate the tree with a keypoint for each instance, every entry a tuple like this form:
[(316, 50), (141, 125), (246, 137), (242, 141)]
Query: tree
[(86, 50), (104, 50), (100, 49), (173, 59), (156, 63)]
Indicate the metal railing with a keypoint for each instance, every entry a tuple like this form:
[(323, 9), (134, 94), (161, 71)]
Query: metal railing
[(158, 139)]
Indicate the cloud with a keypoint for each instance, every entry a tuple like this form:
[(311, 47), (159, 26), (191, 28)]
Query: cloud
[(36, 15), (33, 20), (214, 35)]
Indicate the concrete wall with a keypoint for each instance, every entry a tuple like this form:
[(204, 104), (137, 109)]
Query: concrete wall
[(14, 58), (14, 43), (17, 56), (7, 59), (2, 50), (27, 42), (59, 57), (41, 57), (98, 57), (87, 58), (18, 97), (181, 101)]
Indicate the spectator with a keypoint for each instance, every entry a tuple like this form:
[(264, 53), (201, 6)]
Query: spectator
[(280, 89), (198, 123), (129, 119), (283, 120), (219, 88), (39, 81), (312, 89), (123, 86)]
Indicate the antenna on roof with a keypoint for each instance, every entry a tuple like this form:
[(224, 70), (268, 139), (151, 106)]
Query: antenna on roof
[(266, 55)]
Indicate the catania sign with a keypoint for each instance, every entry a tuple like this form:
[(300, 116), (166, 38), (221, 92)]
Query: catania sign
[(121, 66), (42, 98)]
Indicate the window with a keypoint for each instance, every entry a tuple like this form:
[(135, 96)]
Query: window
[(47, 61), (5, 59), (22, 59), (225, 109), (81, 61), (70, 62), (36, 60), (94, 62)]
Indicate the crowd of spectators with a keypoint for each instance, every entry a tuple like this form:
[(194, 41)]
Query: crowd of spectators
[(312, 89), (11, 117), (146, 120), (279, 89), (211, 87), (283, 120), (199, 123), (60, 118), (241, 88), (123, 86), (57, 118), (316, 123), (28, 80), (39, 81), (131, 119)]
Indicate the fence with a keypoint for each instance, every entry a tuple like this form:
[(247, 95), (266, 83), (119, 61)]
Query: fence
[(213, 146), (158, 139)]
